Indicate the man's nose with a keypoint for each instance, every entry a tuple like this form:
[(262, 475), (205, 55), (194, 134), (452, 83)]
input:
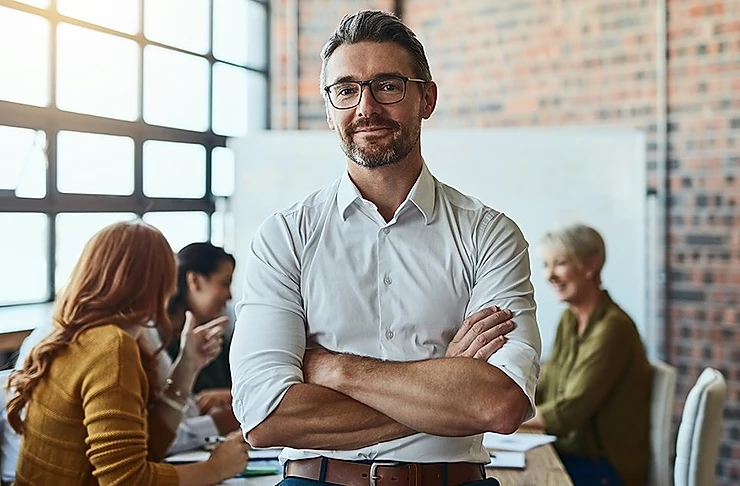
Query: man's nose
[(367, 106)]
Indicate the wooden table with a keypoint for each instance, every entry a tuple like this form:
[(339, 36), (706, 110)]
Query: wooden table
[(543, 469)]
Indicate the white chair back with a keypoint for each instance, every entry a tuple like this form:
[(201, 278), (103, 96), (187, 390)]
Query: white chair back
[(661, 409), (697, 445)]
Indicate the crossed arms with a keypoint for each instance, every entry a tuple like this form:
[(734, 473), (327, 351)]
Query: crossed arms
[(312, 399)]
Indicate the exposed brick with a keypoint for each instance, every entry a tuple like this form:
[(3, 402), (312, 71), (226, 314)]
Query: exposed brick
[(591, 63)]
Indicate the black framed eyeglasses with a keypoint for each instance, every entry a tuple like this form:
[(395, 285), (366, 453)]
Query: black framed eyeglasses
[(386, 90)]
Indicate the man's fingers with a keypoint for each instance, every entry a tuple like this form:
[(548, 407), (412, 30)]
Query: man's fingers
[(489, 349), (481, 340), (468, 323), (480, 329)]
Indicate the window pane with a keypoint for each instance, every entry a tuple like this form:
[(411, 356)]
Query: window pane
[(257, 101), (175, 89), (97, 73), (180, 228), (230, 89), (121, 15), (89, 163), (23, 262), (23, 161), (73, 231), (222, 230), (179, 23), (230, 30), (24, 57), (35, 3), (222, 171), (173, 169), (257, 32)]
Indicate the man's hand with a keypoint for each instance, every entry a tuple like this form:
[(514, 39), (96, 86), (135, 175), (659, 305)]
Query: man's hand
[(481, 334)]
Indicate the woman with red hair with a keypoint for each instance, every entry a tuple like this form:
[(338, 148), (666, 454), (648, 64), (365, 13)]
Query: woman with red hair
[(93, 412)]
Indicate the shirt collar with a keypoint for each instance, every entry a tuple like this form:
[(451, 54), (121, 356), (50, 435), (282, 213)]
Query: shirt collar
[(421, 194)]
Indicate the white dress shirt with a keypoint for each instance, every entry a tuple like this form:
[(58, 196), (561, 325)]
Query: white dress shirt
[(330, 272)]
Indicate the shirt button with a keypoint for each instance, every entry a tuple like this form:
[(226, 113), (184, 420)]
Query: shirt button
[(386, 230), (389, 334), (388, 280)]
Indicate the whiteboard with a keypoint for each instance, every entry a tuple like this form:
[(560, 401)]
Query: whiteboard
[(540, 177)]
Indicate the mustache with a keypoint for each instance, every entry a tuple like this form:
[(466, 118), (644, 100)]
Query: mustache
[(374, 122)]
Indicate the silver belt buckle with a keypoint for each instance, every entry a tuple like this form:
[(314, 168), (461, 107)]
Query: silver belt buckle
[(374, 469)]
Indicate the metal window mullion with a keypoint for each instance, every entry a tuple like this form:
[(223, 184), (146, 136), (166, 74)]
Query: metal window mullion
[(140, 136), (268, 78), (52, 132), (209, 147)]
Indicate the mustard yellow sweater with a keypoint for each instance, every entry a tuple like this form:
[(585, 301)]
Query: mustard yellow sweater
[(87, 421)]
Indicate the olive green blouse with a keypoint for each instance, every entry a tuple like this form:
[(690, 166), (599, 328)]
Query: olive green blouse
[(594, 391)]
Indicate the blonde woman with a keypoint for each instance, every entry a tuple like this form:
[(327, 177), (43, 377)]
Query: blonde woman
[(93, 414), (594, 391)]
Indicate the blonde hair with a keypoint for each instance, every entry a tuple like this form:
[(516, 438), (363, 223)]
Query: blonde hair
[(581, 242), (125, 276)]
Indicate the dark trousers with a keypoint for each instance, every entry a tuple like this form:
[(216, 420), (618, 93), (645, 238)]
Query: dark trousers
[(307, 482), (590, 472)]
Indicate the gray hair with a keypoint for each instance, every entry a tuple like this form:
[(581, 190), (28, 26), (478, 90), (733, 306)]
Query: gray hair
[(581, 242), (376, 26)]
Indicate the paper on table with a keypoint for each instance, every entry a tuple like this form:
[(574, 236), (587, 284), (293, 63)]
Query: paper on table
[(263, 454), (519, 441), (502, 460), (188, 456)]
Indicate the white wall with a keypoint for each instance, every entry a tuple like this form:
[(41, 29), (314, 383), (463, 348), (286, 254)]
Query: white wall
[(541, 177)]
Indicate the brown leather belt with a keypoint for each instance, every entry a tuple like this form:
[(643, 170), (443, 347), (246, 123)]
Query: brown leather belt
[(384, 473)]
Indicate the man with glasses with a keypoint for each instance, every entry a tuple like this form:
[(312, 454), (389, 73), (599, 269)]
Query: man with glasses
[(348, 348)]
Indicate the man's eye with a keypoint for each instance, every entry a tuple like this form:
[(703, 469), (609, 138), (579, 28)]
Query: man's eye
[(389, 86), (344, 91)]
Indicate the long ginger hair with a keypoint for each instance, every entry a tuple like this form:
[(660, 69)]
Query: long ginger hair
[(125, 276)]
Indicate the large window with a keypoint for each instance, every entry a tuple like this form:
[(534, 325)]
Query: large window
[(111, 111)]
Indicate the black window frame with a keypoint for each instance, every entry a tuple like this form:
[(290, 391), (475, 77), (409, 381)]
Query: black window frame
[(52, 120)]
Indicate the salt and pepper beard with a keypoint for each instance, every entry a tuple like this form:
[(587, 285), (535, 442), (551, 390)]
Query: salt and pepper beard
[(386, 153)]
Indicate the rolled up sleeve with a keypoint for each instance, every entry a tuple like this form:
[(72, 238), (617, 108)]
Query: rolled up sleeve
[(503, 279), (270, 336)]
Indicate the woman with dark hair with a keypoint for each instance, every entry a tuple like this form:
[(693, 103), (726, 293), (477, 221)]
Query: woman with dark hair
[(204, 274), (94, 413)]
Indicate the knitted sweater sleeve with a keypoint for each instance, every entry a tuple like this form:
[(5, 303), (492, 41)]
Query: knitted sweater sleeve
[(115, 416)]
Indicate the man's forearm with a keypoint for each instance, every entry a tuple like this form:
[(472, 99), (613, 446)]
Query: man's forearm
[(447, 397), (315, 417)]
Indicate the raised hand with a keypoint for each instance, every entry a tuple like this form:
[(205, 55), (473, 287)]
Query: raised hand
[(199, 345), (481, 334)]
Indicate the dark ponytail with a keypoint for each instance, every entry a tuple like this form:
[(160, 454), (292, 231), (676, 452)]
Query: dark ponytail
[(203, 258)]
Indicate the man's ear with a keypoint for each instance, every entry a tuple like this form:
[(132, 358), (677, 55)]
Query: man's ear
[(329, 119), (429, 103)]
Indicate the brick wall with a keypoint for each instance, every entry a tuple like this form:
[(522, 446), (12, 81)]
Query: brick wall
[(559, 62)]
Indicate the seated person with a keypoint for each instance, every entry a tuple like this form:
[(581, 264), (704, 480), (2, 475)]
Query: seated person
[(94, 410), (204, 274), (594, 392)]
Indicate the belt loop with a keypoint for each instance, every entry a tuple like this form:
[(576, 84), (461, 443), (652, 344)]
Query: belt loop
[(415, 475), (322, 471), (444, 474)]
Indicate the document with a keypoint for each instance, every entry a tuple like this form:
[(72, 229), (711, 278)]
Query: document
[(518, 442), (197, 455), (506, 459), (264, 454)]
